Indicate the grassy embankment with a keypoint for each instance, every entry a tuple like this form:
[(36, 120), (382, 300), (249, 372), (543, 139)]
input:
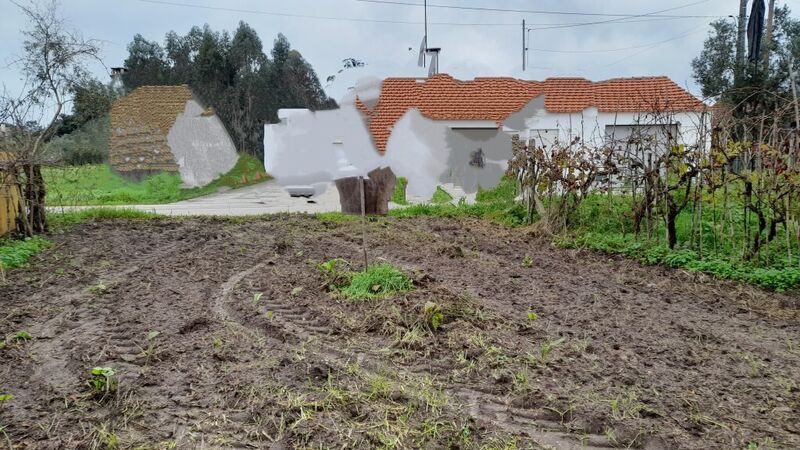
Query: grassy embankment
[(99, 185)]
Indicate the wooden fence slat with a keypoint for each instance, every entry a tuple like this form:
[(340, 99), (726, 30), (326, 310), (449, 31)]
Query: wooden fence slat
[(9, 199)]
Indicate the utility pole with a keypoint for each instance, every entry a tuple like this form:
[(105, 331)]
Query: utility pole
[(768, 35), (523, 45), (740, 33)]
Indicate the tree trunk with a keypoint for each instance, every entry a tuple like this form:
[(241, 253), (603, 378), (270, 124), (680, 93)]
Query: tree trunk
[(32, 219), (672, 234), (768, 34), (740, 44)]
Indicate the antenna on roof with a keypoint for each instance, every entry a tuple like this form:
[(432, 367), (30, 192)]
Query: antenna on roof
[(526, 39), (425, 50)]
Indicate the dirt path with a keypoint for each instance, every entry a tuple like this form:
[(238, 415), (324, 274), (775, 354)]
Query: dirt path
[(618, 355)]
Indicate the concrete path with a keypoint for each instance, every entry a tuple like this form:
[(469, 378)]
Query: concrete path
[(263, 198)]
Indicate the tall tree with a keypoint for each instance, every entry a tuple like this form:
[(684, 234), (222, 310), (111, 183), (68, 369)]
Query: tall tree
[(720, 73), (232, 74), (53, 65), (145, 63)]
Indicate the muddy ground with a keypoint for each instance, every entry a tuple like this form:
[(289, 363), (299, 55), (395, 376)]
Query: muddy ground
[(616, 354)]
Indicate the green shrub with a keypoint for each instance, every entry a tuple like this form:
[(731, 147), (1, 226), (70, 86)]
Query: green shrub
[(86, 145)]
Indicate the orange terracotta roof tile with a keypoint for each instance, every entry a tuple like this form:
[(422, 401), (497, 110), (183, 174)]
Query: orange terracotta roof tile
[(442, 97)]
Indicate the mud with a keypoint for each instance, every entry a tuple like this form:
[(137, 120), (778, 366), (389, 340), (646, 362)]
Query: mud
[(562, 349)]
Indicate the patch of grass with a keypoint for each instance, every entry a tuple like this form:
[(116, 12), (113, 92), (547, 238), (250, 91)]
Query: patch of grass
[(505, 191), (336, 217), (440, 196), (378, 281), (99, 185), (774, 278), (16, 253), (61, 221)]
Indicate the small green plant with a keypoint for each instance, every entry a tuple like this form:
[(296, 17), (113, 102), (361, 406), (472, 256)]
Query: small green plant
[(542, 357), (337, 273), (102, 379), (21, 336), (5, 397), (296, 291), (433, 315), (257, 297), (527, 261), (98, 288), (216, 343), (520, 380), (532, 316), (269, 314)]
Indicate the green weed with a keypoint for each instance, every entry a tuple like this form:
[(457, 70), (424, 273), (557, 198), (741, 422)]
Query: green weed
[(527, 262), (102, 380), (433, 316), (16, 253)]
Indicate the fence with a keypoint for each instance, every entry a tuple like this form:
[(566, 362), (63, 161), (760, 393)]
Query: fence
[(9, 199)]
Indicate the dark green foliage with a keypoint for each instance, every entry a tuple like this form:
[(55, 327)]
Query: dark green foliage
[(91, 101), (232, 74), (716, 68), (86, 145)]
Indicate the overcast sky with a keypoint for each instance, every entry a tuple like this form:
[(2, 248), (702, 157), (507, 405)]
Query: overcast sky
[(484, 43)]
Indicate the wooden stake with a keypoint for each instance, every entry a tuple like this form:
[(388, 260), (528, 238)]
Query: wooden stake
[(363, 223)]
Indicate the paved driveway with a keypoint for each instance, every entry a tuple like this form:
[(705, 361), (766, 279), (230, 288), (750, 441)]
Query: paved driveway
[(263, 198)]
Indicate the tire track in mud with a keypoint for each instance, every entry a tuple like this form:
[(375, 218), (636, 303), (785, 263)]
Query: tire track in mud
[(295, 324), (85, 317)]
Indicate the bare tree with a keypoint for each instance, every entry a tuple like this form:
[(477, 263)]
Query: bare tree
[(52, 63)]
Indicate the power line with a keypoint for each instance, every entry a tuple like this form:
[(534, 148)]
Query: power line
[(680, 36), (623, 19), (390, 21), (310, 16), (545, 12), (611, 50)]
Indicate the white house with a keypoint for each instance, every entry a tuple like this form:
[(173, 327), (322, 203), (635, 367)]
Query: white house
[(442, 130)]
